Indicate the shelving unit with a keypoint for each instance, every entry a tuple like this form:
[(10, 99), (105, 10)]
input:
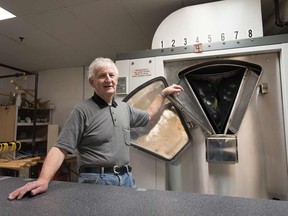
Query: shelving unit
[(27, 122), (22, 128), (11, 132)]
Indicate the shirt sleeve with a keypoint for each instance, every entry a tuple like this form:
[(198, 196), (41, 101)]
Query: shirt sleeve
[(139, 118), (71, 132)]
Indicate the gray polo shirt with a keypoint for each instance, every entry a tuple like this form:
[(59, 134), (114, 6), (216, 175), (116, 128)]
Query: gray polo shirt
[(99, 132)]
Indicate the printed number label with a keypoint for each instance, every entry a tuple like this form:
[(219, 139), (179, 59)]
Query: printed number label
[(185, 41), (173, 43), (236, 34), (250, 33), (222, 36), (210, 39)]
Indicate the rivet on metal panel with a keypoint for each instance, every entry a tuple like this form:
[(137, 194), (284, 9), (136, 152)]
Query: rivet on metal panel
[(263, 88)]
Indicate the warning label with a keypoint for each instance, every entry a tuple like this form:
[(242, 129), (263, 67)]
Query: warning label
[(142, 72)]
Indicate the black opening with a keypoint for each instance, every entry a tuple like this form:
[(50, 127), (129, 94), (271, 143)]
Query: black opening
[(216, 88)]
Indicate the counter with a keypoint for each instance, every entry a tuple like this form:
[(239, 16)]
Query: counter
[(67, 198)]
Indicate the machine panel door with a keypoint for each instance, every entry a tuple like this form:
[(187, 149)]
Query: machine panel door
[(167, 137)]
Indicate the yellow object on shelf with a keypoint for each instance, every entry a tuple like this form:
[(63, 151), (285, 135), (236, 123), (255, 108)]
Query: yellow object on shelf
[(18, 164)]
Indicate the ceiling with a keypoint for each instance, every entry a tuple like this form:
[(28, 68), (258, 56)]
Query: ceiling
[(53, 34)]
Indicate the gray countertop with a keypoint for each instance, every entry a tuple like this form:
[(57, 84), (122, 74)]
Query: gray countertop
[(66, 198)]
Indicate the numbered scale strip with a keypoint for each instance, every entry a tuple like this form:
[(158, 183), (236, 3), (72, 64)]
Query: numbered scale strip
[(209, 39), (198, 47)]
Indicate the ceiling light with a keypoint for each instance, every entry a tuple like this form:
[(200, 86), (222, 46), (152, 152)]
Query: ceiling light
[(4, 14)]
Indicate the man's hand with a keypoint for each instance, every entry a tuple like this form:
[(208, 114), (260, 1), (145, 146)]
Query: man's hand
[(154, 109), (34, 188), (173, 89), (53, 161)]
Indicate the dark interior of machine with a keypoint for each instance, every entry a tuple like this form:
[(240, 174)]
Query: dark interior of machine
[(216, 88)]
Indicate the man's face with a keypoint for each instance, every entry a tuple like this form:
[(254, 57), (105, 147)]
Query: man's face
[(104, 82)]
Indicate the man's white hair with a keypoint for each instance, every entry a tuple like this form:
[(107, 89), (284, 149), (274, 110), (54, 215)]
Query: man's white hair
[(99, 64)]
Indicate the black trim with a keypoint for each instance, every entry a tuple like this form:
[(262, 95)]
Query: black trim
[(98, 169), (101, 103), (192, 69), (156, 79)]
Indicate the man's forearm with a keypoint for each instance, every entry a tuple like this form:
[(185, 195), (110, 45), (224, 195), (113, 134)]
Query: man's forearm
[(155, 106), (52, 163)]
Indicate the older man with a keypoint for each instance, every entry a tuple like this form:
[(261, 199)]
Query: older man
[(99, 129)]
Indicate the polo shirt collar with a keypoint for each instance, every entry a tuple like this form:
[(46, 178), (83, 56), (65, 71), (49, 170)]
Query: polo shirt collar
[(101, 103)]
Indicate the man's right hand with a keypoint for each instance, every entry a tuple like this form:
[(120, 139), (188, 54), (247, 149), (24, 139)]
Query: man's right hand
[(34, 188)]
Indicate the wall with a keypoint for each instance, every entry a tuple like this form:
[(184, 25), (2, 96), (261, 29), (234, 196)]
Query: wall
[(7, 88), (63, 88)]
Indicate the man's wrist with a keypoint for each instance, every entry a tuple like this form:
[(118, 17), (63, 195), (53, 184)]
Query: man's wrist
[(163, 94)]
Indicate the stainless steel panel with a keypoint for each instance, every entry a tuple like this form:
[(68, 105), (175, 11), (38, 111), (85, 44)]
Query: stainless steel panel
[(222, 148), (248, 86), (191, 107), (261, 171)]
